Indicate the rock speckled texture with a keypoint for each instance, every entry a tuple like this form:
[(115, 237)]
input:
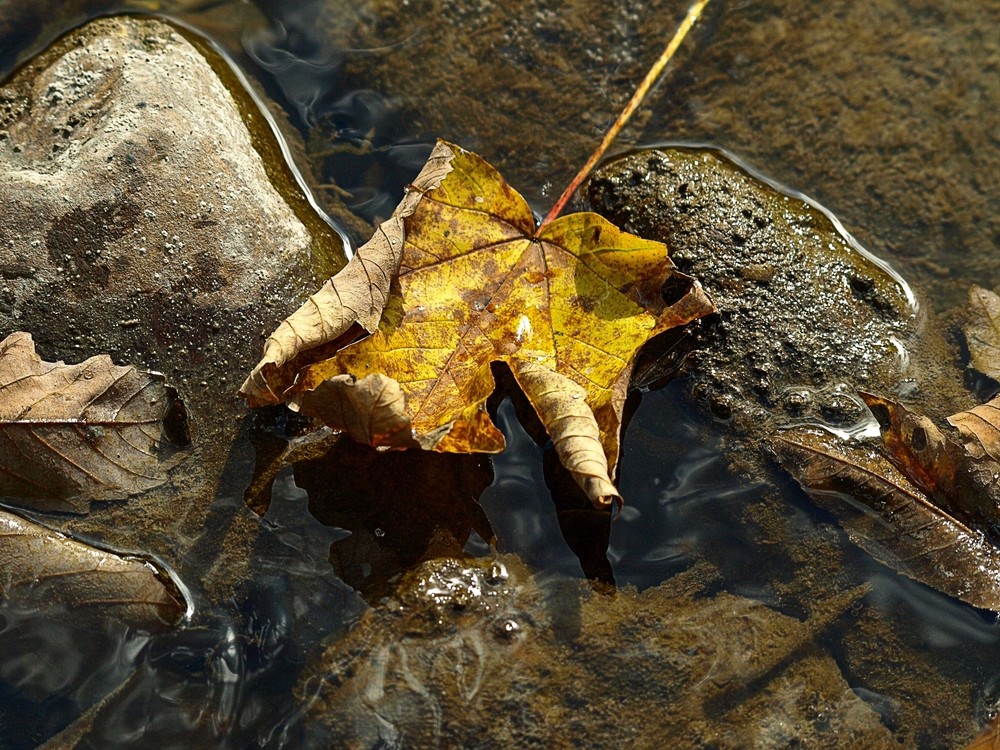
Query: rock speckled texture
[(805, 318), (139, 219), (129, 175)]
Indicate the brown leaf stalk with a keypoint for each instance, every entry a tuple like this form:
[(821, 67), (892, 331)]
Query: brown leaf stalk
[(694, 12)]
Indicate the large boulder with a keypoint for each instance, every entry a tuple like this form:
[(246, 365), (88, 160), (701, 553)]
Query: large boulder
[(146, 212), (128, 176)]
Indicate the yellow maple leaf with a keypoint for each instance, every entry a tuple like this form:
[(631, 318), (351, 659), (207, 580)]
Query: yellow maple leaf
[(565, 306)]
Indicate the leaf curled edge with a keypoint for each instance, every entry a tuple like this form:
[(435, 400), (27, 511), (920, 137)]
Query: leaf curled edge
[(371, 410), (561, 405), (355, 296)]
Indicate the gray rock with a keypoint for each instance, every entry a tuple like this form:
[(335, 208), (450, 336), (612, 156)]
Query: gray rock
[(127, 176), (146, 212)]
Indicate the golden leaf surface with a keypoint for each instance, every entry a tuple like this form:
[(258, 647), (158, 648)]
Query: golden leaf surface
[(566, 307)]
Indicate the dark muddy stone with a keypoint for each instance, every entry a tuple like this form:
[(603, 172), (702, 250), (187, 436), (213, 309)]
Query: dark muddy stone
[(804, 318), (480, 654)]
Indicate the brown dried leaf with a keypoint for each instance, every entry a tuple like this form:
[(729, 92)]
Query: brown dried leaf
[(371, 410), (960, 476), (983, 333), (917, 447), (889, 517), (70, 434), (989, 739), (42, 568), (354, 297), (980, 430)]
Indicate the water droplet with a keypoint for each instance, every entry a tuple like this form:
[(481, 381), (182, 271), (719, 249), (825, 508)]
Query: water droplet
[(506, 629), (576, 395), (497, 574), (379, 533)]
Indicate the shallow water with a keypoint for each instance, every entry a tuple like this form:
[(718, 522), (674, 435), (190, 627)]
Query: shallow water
[(883, 131)]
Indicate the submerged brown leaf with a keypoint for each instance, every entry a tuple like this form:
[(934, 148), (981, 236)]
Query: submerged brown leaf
[(40, 568), (70, 434), (960, 475), (890, 517), (982, 335), (565, 306)]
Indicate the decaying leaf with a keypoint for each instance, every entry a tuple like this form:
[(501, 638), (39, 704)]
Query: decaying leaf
[(70, 434), (40, 568), (961, 475), (982, 335), (918, 448), (890, 517), (566, 307)]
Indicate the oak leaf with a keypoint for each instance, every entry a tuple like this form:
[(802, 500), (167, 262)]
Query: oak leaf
[(566, 306), (74, 433)]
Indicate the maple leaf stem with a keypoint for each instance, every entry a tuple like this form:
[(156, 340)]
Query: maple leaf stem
[(694, 12)]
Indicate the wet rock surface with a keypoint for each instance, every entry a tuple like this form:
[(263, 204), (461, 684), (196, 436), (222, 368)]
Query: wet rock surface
[(129, 177), (146, 214), (805, 318), (480, 653)]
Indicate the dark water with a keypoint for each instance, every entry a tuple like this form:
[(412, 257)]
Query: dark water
[(226, 678)]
